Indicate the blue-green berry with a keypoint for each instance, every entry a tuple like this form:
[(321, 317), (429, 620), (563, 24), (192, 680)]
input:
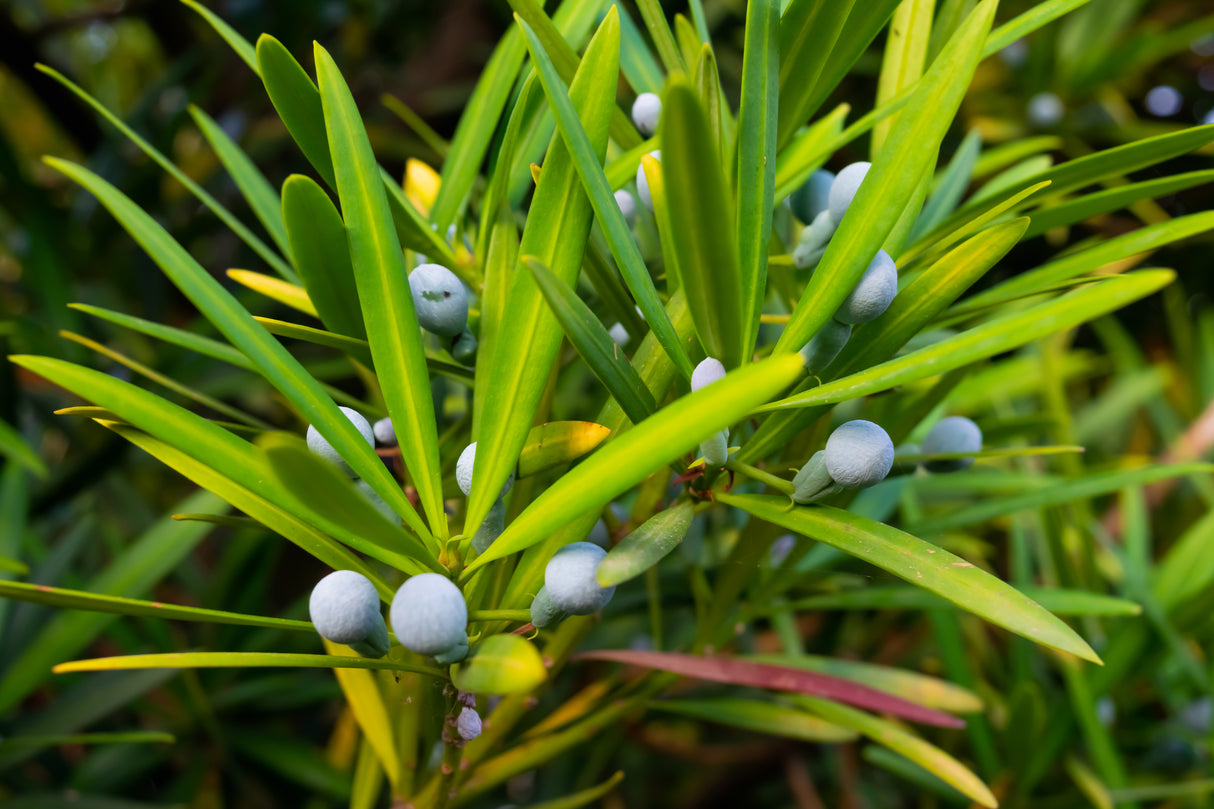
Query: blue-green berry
[(949, 435), (463, 472), (468, 724), (843, 189), (812, 482), (429, 615), (320, 445), (813, 197), (543, 612), (384, 432), (454, 654), (628, 205), (344, 608), (859, 454), (715, 450), (440, 300), (646, 111), (873, 294), (463, 350), (570, 580)]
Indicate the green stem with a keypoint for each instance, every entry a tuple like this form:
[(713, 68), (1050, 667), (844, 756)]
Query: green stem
[(499, 615)]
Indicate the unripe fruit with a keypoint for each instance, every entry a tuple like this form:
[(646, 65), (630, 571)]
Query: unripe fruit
[(859, 454), (643, 182), (646, 111), (715, 450), (463, 471), (321, 447), (952, 434), (384, 432), (825, 346), (344, 607), (812, 243), (468, 725), (873, 294), (812, 482), (709, 371), (440, 300), (813, 197), (543, 612), (491, 528), (429, 615), (464, 349), (843, 189), (628, 205), (1045, 110), (618, 334), (570, 580)]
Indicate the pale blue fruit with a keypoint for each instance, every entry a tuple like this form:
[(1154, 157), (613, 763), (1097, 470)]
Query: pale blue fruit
[(570, 580), (949, 435), (384, 432), (873, 294), (543, 612), (643, 182), (1045, 110), (646, 111), (440, 300), (843, 189), (344, 608), (429, 615), (813, 197), (463, 472), (859, 454), (320, 445), (709, 371)]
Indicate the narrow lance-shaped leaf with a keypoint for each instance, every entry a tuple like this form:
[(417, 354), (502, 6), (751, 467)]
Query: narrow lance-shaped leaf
[(317, 238), (756, 164), (555, 234), (278, 367), (646, 546), (920, 563), (809, 30), (763, 717), (558, 442), (593, 343), (891, 182), (239, 660), (619, 236), (635, 454), (383, 291), (703, 231)]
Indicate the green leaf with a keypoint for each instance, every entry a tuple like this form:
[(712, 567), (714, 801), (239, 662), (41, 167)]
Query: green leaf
[(93, 602), (951, 185), (317, 237), (756, 159), (1082, 488), (904, 58), (635, 454), (119, 737), (239, 660), (276, 289), (383, 290), (886, 733), (891, 182), (1039, 15), (646, 546), (1112, 199), (763, 717), (640, 69), (920, 563), (298, 103), (278, 367), (1057, 601), (257, 245), (808, 151), (178, 337), (991, 338), (142, 564), (663, 39), (556, 232), (257, 191), (367, 704), (13, 446), (500, 664), (238, 43), (584, 797), (593, 343), (322, 488), (558, 442), (270, 514), (576, 137), (703, 232), (809, 31)]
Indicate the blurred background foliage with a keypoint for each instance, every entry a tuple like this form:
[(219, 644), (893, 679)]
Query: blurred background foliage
[(1140, 383)]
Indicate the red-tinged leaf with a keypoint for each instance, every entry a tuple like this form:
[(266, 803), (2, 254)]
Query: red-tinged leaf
[(776, 678)]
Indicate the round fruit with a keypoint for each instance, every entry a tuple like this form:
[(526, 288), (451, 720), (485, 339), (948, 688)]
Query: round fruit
[(646, 111), (873, 294), (570, 579), (344, 607), (949, 435), (429, 615), (320, 446), (859, 454), (843, 189), (440, 300)]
